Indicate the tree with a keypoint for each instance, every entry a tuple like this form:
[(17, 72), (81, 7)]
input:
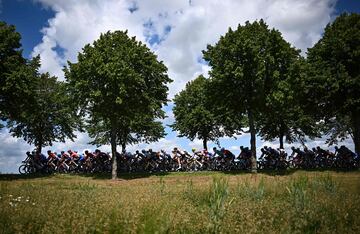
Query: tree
[(120, 88), (48, 115), (193, 116), (14, 73), (284, 116), (333, 79), (246, 66)]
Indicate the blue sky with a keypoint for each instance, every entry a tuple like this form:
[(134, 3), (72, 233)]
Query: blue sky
[(175, 30)]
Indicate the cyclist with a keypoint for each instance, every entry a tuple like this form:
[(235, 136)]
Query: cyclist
[(197, 157), (165, 156), (88, 155), (218, 154), (139, 156), (179, 156), (228, 155), (52, 159)]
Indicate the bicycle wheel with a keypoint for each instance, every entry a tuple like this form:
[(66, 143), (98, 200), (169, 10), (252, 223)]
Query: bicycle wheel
[(23, 169)]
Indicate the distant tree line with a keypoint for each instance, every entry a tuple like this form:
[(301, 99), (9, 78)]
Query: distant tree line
[(258, 83)]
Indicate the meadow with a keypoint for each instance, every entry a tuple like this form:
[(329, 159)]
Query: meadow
[(203, 202)]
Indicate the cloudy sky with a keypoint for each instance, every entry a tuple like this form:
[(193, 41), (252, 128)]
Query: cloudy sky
[(177, 31)]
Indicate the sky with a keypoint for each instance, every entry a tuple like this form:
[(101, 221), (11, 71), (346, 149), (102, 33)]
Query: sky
[(176, 31)]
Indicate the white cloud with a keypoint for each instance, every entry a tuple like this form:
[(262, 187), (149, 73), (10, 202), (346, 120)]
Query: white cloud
[(12, 152), (197, 144), (77, 23), (164, 143)]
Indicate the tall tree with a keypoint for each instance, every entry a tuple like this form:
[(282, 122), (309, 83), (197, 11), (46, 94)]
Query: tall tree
[(48, 116), (193, 116), (283, 116), (14, 73), (246, 66), (333, 80), (120, 87)]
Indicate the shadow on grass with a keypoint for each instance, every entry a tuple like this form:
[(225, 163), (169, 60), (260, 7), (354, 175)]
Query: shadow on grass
[(287, 171), (96, 176), (139, 175), (124, 175), (266, 172), (10, 177)]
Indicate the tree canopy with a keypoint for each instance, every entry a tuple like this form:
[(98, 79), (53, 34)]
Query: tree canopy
[(193, 115), (120, 87), (245, 67), (48, 115), (333, 79), (15, 77), (283, 114)]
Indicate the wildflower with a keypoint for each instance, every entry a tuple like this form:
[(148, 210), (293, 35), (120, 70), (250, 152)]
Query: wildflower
[(27, 200), (33, 204)]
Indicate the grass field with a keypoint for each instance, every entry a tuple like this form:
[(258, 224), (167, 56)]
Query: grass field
[(204, 202)]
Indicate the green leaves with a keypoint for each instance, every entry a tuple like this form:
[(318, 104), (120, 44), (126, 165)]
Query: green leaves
[(193, 116), (48, 115), (14, 74), (333, 78), (255, 71), (122, 86)]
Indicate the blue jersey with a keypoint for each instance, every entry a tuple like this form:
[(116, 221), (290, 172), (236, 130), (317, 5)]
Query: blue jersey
[(43, 157)]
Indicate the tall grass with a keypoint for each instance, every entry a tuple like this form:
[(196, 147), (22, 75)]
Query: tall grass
[(304, 202), (253, 192), (162, 186), (218, 195), (298, 196)]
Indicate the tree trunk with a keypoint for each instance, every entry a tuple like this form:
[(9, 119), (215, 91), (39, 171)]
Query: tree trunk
[(356, 130), (39, 146), (281, 139), (123, 147), (114, 154), (205, 143), (252, 141)]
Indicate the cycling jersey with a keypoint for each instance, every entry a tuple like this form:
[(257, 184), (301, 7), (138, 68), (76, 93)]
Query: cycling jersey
[(228, 154)]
